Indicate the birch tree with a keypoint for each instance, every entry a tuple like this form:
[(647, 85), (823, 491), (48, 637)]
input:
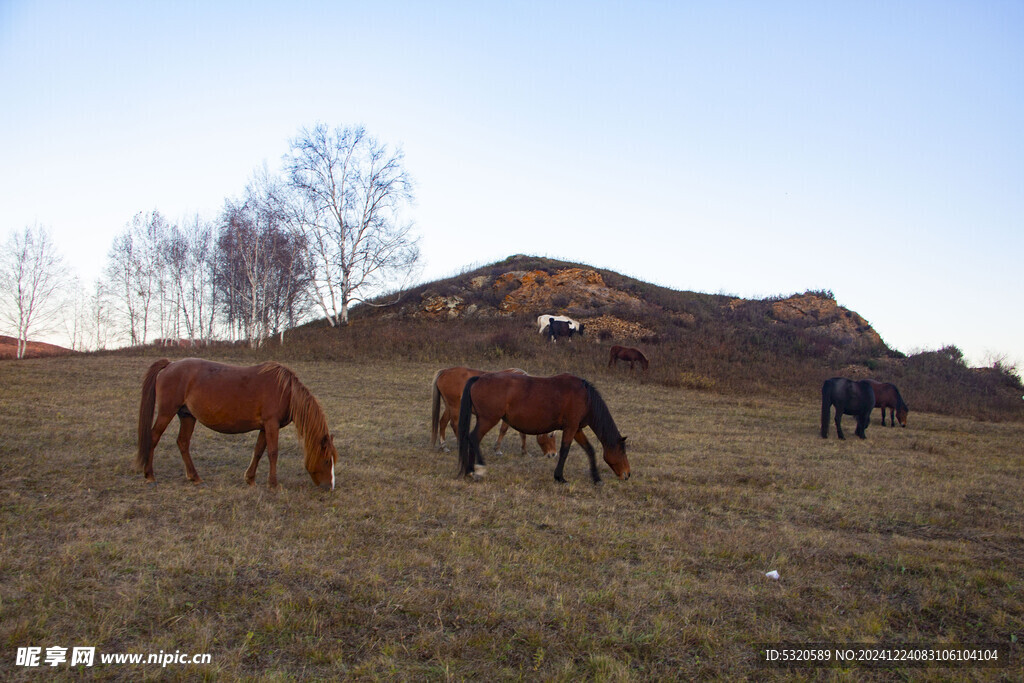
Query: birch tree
[(350, 194), (31, 274), (134, 271)]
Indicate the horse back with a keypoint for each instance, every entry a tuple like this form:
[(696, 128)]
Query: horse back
[(451, 381), (532, 405), (853, 397), (886, 395), (226, 398)]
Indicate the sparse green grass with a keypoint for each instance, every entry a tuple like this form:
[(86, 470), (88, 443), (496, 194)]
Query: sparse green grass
[(407, 573)]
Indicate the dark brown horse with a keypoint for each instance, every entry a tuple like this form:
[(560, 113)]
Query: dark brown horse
[(447, 387), (888, 396), (538, 405), (629, 354), (849, 397), (233, 400)]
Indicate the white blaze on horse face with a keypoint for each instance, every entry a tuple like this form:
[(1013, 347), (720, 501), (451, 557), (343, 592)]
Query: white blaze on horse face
[(332, 474)]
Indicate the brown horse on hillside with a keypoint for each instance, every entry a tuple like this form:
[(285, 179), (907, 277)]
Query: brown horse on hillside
[(233, 400), (888, 396), (447, 387), (629, 354), (538, 405)]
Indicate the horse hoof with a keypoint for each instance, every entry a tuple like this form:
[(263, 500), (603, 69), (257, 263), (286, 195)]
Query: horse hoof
[(598, 482)]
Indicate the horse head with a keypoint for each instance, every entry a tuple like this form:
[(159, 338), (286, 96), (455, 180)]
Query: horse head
[(321, 469), (901, 414), (615, 456)]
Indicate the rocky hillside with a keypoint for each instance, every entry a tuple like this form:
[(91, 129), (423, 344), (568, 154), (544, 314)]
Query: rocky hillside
[(615, 307), (784, 345)]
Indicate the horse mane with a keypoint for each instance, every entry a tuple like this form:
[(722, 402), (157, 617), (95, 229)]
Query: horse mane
[(900, 403), (600, 418), (304, 410)]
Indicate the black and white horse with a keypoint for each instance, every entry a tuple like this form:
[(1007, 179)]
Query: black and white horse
[(544, 321), (560, 328)]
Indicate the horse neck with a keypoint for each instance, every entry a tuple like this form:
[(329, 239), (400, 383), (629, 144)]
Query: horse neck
[(601, 420), (899, 399), (309, 419)]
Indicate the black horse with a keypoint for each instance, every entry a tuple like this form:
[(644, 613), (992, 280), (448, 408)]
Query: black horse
[(560, 328), (850, 398)]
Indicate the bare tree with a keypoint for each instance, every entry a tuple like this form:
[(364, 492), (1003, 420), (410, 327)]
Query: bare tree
[(350, 194), (134, 272), (188, 265), (98, 323), (261, 267), (31, 273)]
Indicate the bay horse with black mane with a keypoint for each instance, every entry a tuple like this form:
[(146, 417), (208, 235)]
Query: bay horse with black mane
[(849, 397), (888, 396), (233, 400), (447, 388), (628, 354), (538, 405)]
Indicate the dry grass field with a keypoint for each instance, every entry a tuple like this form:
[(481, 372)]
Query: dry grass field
[(407, 573)]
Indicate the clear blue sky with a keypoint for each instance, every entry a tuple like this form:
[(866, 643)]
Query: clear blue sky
[(751, 148)]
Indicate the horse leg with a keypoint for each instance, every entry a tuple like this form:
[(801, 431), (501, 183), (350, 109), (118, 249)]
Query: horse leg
[(892, 417), (581, 439), (563, 453), (188, 425), (162, 420), (862, 425), (442, 426), (475, 436), (523, 451), (501, 436), (261, 445), (271, 429), (839, 420)]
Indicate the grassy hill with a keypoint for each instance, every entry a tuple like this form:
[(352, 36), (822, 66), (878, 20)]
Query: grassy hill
[(780, 346), (9, 349)]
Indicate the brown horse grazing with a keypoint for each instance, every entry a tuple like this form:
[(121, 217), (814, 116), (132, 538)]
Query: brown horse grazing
[(537, 405), (233, 400), (447, 386), (888, 396), (627, 353)]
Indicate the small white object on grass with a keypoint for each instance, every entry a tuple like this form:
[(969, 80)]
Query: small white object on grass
[(773, 575)]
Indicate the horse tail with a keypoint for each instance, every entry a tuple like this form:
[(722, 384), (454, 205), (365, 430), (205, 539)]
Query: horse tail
[(826, 407), (435, 409), (466, 454), (147, 406)]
